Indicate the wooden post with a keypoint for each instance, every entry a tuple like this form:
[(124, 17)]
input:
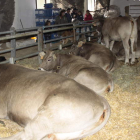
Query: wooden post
[(40, 43), (13, 46)]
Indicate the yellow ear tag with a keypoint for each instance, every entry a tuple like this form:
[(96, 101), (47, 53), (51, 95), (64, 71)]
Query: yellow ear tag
[(42, 54), (58, 67)]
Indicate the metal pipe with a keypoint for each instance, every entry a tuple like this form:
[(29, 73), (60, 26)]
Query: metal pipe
[(5, 51), (13, 45), (4, 62), (7, 32), (27, 46), (18, 36), (40, 43)]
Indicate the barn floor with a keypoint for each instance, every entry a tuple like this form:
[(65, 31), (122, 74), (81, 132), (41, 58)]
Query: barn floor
[(124, 122)]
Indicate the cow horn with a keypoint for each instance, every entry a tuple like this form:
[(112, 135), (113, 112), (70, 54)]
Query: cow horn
[(42, 54)]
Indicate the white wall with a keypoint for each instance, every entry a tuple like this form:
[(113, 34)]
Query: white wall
[(24, 10), (85, 6), (91, 5), (123, 3)]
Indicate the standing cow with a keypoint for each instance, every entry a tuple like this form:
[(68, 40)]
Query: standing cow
[(121, 29), (49, 106), (97, 54), (79, 69)]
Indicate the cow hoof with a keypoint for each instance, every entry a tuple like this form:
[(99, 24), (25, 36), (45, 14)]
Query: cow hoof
[(127, 64)]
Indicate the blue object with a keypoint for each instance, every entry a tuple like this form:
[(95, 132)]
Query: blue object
[(51, 12), (39, 12), (40, 21), (48, 5)]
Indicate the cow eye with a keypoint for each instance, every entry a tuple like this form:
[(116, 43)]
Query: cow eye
[(49, 59)]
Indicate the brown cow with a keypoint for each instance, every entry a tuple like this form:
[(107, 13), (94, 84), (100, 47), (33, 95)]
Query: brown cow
[(49, 106), (79, 69), (97, 54), (121, 29)]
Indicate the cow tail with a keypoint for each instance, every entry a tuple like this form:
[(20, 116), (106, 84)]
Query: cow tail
[(134, 32)]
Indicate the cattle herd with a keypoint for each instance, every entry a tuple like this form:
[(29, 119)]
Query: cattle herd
[(63, 99)]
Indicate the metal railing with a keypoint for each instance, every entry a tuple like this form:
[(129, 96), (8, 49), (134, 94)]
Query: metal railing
[(13, 35)]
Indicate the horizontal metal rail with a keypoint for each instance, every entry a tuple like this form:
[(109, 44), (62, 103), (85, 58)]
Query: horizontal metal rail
[(7, 32), (5, 51), (4, 62), (26, 56), (39, 31)]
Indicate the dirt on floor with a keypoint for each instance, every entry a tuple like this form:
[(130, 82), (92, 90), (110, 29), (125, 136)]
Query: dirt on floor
[(124, 122)]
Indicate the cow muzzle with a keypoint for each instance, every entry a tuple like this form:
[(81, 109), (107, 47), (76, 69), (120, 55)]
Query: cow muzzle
[(41, 69)]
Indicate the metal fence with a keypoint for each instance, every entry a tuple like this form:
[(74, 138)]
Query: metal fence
[(13, 35)]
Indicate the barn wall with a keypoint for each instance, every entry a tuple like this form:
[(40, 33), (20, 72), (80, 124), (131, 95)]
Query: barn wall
[(123, 3), (24, 10)]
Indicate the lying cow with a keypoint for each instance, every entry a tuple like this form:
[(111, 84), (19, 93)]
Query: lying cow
[(79, 69), (49, 106), (65, 34), (121, 29), (97, 54)]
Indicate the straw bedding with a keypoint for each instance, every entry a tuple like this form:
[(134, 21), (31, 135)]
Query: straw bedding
[(124, 122)]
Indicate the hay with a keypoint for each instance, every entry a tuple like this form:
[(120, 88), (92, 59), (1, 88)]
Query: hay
[(124, 123)]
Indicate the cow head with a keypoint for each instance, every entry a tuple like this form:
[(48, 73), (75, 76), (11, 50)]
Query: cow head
[(76, 47), (49, 60)]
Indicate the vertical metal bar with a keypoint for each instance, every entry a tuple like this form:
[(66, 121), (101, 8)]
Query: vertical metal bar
[(40, 43), (74, 33), (36, 3), (13, 45)]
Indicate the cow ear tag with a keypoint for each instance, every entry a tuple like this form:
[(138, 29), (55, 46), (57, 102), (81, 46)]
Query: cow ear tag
[(42, 54), (58, 67)]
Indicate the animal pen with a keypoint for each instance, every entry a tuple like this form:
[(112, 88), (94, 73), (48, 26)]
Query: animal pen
[(124, 100)]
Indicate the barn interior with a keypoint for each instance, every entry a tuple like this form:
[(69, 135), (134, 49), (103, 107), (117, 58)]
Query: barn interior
[(124, 101)]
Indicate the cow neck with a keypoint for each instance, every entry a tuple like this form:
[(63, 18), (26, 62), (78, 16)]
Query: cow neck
[(62, 60), (58, 66)]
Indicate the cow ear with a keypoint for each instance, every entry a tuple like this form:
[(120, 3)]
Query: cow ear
[(42, 54), (52, 55), (80, 43)]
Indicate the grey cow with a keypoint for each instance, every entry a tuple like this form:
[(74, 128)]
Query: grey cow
[(121, 29), (79, 69), (49, 106), (97, 54)]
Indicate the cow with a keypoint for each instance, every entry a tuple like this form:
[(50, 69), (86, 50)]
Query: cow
[(97, 54), (65, 34), (49, 106), (118, 49), (79, 69), (121, 29), (138, 23)]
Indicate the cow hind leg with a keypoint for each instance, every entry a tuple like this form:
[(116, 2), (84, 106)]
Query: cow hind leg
[(126, 48), (133, 50), (37, 129), (111, 45), (106, 40)]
